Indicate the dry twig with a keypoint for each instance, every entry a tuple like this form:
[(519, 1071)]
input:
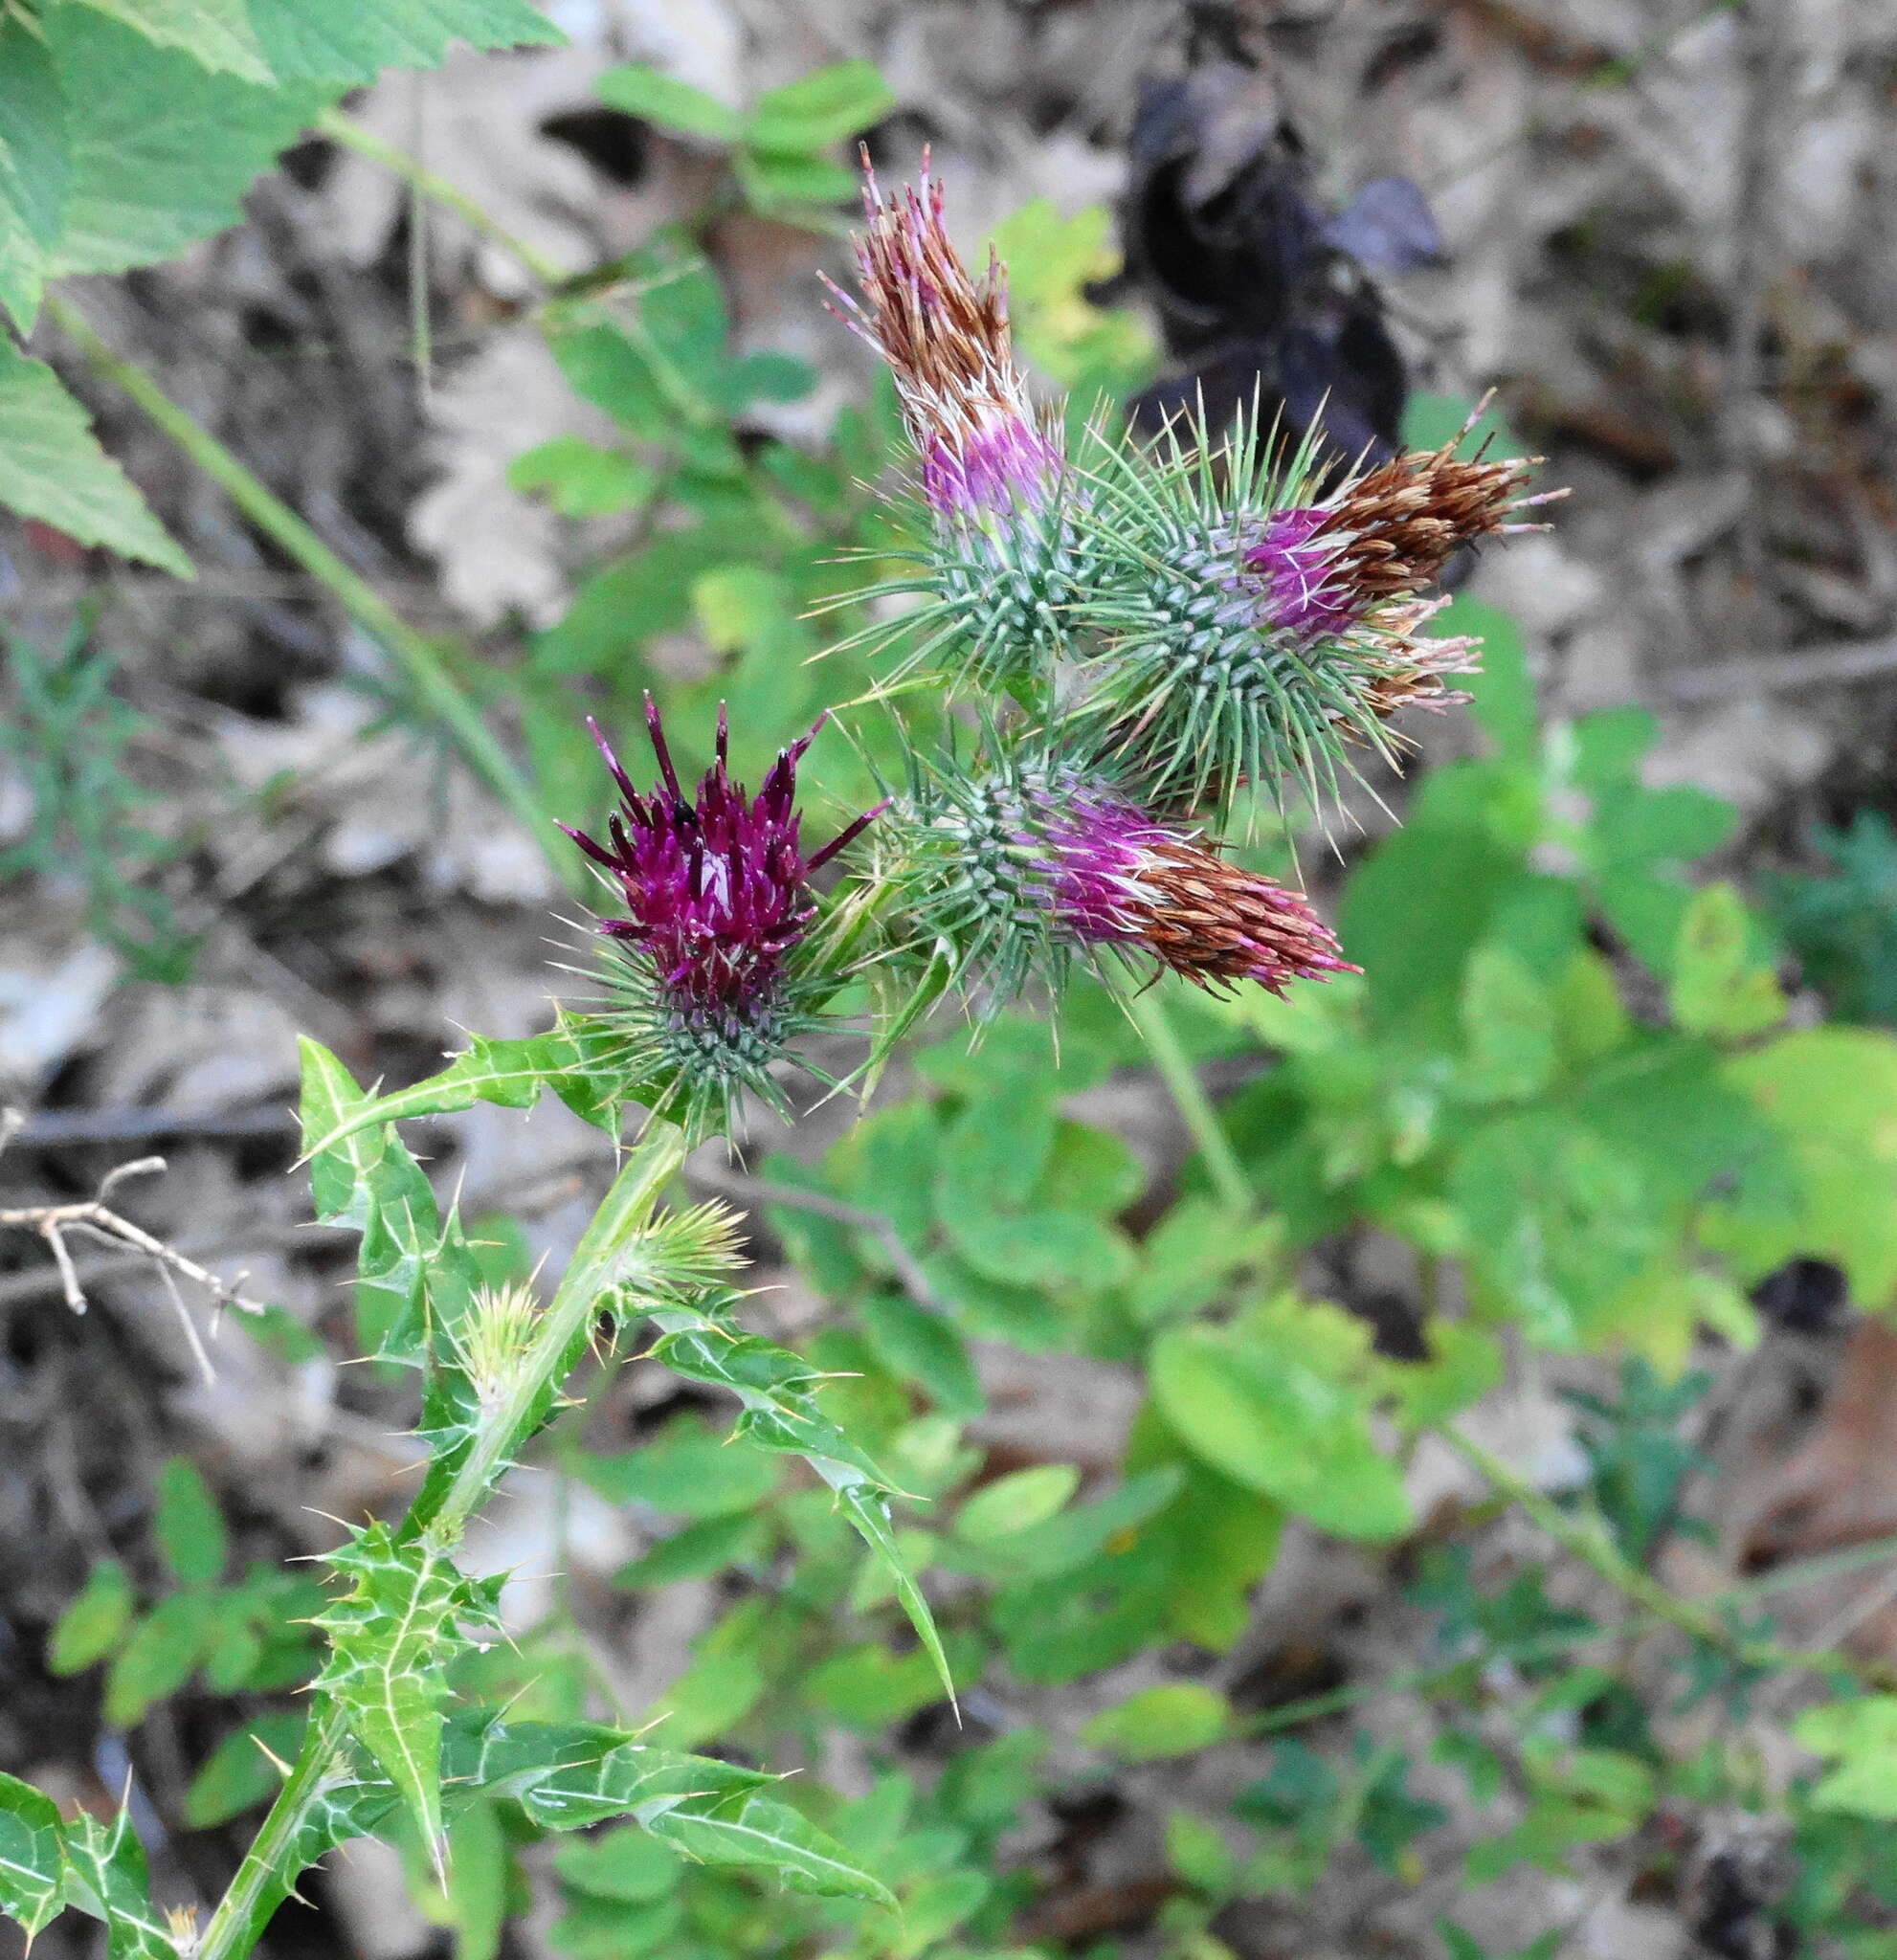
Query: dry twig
[(94, 1218)]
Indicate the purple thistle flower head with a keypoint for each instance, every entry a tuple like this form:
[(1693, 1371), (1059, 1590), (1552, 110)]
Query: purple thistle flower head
[(1302, 590), (717, 896), (946, 337)]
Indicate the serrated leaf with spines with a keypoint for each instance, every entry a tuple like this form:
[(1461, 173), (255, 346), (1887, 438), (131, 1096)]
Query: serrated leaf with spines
[(392, 1637), (106, 1877), (780, 1414), (31, 1862)]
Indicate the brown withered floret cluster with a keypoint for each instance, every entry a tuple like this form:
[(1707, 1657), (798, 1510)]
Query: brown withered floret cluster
[(1393, 529), (1216, 924)]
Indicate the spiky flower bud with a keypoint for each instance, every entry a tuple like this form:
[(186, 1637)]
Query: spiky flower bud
[(946, 337), (1026, 863), (1250, 626), (1004, 559), (717, 894)]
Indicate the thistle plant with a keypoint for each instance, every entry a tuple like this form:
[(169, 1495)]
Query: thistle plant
[(1139, 637)]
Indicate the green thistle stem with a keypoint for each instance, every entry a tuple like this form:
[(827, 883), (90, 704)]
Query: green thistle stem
[(432, 688), (234, 1927), (592, 1272), (594, 1268), (1189, 1098)]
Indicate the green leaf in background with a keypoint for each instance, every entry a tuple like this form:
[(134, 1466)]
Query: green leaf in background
[(216, 34), (106, 1877), (1861, 1736), (161, 148), (156, 1658), (819, 108), (1501, 694), (90, 1627), (32, 1868), (772, 179), (1052, 261), (1172, 1720), (1017, 1502), (1272, 1404), (642, 91), (52, 469), (33, 170), (626, 1864), (1508, 1026), (189, 1526), (688, 1470), (1829, 1092), (239, 1774), (581, 480), (353, 44)]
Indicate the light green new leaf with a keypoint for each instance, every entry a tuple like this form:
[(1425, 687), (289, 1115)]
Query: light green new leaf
[(1172, 1720), (1015, 1501), (642, 91), (51, 468), (161, 148), (1831, 1093), (354, 43), (1862, 1735), (750, 1830), (32, 172), (392, 1637), (31, 1869), (216, 34), (1722, 984), (189, 1526), (106, 1877)]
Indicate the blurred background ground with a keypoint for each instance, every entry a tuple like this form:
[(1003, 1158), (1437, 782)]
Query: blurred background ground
[(1668, 237)]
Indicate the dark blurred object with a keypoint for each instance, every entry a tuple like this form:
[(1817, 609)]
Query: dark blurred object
[(1259, 291), (1803, 1297), (1843, 925)]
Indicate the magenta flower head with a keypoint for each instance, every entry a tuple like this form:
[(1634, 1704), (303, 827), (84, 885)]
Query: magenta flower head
[(983, 449), (1029, 860), (716, 889)]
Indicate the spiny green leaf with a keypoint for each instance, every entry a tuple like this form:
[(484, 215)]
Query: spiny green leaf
[(32, 1868), (758, 1831), (571, 1060), (106, 1877), (52, 469), (392, 1637)]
